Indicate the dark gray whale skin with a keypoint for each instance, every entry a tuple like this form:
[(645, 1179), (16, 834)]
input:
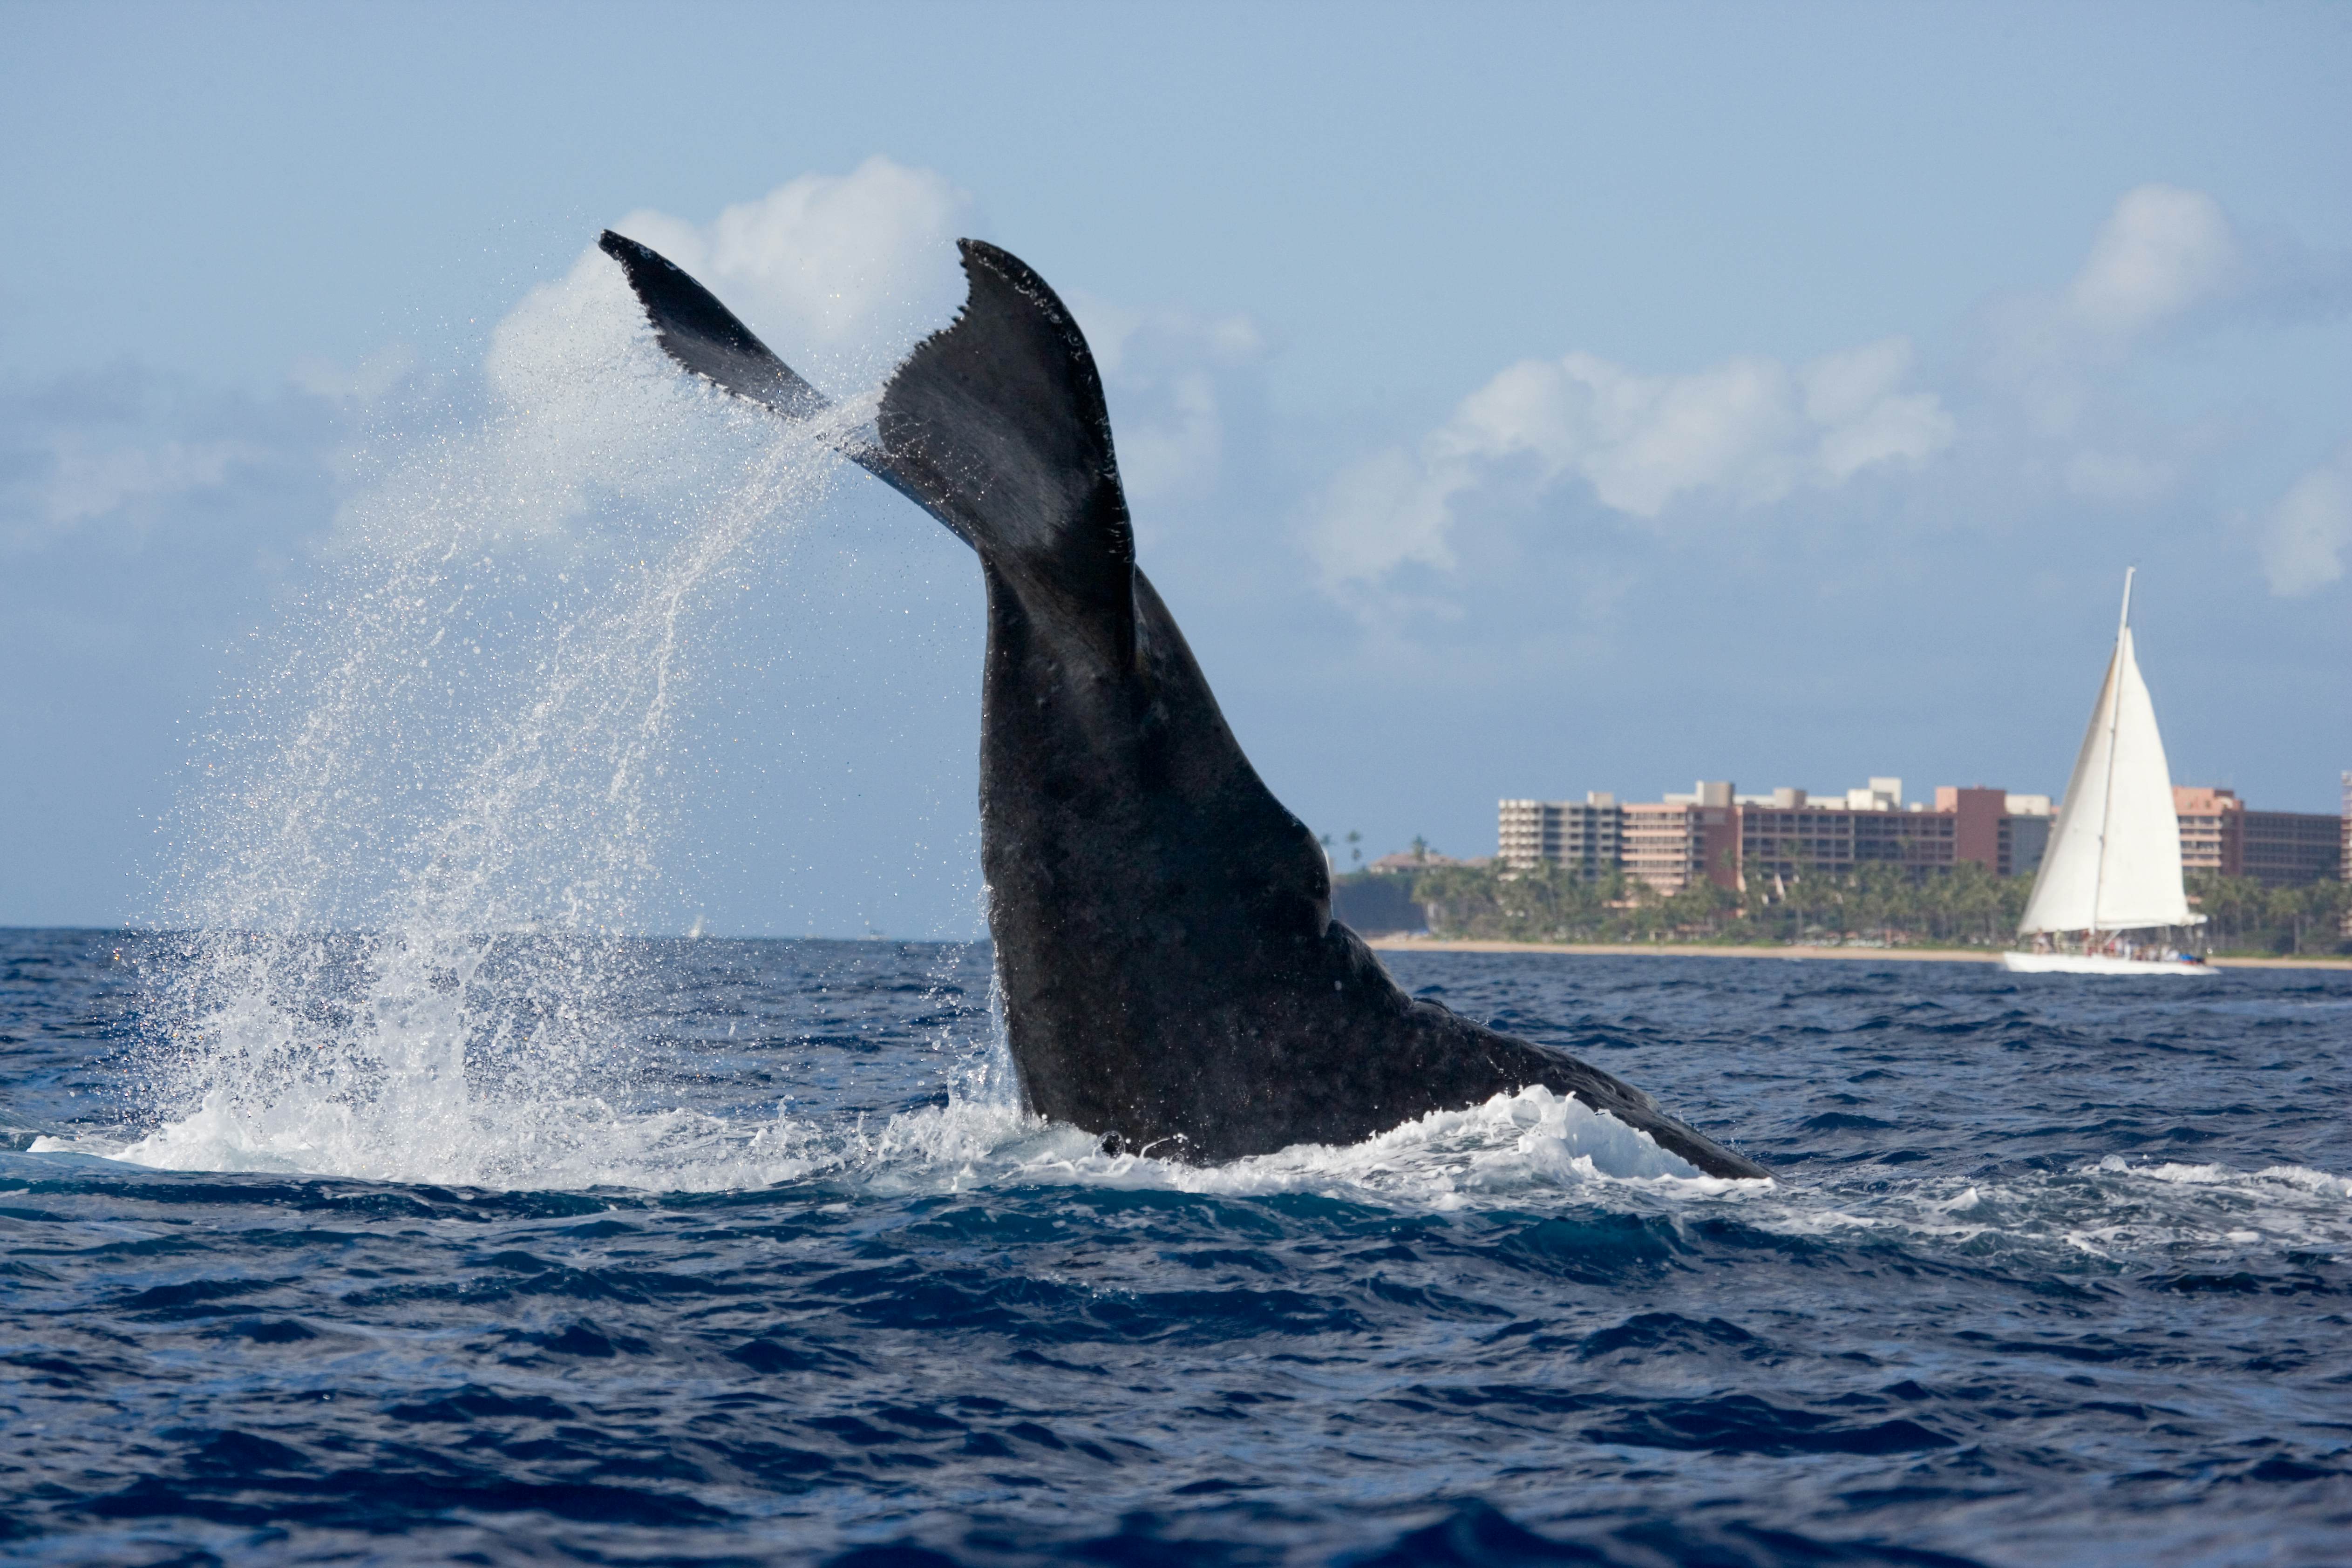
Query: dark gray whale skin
[(1172, 978)]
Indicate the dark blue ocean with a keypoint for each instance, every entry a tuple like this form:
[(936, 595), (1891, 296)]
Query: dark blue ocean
[(304, 1262)]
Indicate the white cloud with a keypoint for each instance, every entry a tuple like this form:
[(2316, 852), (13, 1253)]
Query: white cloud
[(2162, 256), (1747, 433), (1166, 375), (85, 482), (1181, 450), (841, 275), (2162, 251), (1382, 513), (363, 384), (2305, 535), (1639, 441), (2166, 260), (2118, 478), (1131, 342), (1856, 401), (88, 484)]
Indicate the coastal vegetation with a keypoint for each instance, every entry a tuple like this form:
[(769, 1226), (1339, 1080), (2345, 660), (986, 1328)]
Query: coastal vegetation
[(2242, 916), (1965, 906)]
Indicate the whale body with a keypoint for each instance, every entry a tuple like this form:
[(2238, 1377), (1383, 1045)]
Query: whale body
[(1172, 978)]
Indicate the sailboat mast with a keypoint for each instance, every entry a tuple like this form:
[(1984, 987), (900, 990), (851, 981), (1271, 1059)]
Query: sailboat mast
[(2115, 722)]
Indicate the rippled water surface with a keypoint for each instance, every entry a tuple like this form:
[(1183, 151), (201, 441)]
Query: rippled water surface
[(2055, 1273)]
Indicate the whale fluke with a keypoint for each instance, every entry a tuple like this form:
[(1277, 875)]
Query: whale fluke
[(705, 336), (996, 424), (1173, 977)]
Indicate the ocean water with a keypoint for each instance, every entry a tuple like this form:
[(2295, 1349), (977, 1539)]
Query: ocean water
[(475, 1234), (581, 1250)]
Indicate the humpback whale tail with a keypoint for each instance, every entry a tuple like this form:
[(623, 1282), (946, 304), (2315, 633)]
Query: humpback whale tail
[(1171, 974), (705, 336), (995, 425)]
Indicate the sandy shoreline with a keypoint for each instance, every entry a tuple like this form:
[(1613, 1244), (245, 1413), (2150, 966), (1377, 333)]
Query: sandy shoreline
[(1701, 950)]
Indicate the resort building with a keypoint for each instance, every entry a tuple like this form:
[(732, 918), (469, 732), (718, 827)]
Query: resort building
[(1712, 833), (2278, 849), (1587, 835), (1726, 836), (1787, 832), (1673, 842)]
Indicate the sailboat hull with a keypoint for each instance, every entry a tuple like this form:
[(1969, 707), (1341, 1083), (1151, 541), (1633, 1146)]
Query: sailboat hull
[(2098, 963)]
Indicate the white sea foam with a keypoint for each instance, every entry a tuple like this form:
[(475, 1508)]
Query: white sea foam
[(2320, 1183), (1529, 1141), (1523, 1144), (1513, 1145), (2111, 1214), (1532, 1148)]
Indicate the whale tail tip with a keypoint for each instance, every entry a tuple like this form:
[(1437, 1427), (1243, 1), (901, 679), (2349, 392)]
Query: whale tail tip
[(997, 425), (694, 329)]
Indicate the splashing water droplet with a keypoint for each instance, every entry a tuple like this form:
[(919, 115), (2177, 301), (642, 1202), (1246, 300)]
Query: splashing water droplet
[(404, 878)]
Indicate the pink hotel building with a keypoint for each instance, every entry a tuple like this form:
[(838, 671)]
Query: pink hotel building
[(1715, 833)]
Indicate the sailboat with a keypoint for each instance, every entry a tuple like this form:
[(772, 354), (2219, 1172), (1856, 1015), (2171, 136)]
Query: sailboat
[(2113, 865)]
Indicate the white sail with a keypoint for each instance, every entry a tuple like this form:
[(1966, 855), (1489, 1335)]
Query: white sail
[(2114, 861)]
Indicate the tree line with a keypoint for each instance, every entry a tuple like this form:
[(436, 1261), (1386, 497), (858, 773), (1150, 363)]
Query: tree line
[(1966, 905), (2243, 916)]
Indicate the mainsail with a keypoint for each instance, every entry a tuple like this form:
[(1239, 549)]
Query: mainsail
[(2114, 861)]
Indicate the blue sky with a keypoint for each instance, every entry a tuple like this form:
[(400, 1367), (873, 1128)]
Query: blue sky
[(1516, 400)]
